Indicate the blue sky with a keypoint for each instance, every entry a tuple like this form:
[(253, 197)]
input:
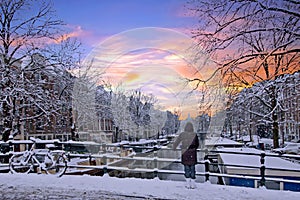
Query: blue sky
[(120, 25), (98, 19)]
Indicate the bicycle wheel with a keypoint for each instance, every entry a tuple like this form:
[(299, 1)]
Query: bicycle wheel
[(19, 163), (55, 164)]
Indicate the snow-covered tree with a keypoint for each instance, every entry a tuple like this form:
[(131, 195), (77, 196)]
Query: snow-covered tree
[(139, 108), (157, 122), (253, 111), (135, 116), (103, 103), (34, 57), (172, 123), (250, 41), (121, 115)]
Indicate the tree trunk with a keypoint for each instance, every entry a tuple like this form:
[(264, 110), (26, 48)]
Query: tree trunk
[(7, 122), (275, 131), (116, 135), (274, 117)]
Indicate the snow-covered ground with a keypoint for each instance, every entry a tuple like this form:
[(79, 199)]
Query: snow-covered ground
[(33, 186)]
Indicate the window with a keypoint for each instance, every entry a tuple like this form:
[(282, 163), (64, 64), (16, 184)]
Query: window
[(37, 76), (39, 125)]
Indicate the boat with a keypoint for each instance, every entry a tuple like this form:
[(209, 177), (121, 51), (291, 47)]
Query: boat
[(279, 172)]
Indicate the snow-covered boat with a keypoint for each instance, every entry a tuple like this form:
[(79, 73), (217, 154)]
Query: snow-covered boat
[(277, 169)]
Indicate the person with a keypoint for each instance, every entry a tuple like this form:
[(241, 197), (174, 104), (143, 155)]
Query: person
[(189, 144)]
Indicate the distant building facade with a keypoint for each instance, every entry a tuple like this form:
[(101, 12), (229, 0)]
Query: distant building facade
[(51, 92), (97, 125), (289, 118), (96, 122), (248, 115)]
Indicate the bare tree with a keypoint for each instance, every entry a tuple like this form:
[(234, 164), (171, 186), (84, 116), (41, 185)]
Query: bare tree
[(251, 41), (35, 55)]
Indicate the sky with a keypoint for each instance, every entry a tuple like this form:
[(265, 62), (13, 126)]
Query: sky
[(33, 186), (95, 20), (140, 45)]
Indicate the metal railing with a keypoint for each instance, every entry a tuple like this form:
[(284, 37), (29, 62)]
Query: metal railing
[(108, 162)]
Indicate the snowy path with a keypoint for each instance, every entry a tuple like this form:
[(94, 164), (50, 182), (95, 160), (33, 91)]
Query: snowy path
[(57, 193), (34, 186)]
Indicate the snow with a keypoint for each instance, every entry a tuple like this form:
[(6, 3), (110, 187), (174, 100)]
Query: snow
[(143, 142), (289, 148), (33, 186), (252, 160), (81, 142), (220, 141)]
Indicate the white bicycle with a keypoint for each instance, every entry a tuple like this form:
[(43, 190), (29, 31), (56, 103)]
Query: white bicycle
[(39, 161)]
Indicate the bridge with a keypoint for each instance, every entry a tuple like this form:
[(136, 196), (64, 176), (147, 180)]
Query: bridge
[(226, 166)]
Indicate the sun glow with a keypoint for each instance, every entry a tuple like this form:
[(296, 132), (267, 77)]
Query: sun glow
[(156, 61)]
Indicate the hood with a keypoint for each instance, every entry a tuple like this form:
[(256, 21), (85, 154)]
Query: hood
[(189, 127)]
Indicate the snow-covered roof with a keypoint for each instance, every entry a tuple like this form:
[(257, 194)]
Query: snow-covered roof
[(247, 138), (253, 160), (37, 140), (22, 141), (220, 141), (81, 142), (143, 142)]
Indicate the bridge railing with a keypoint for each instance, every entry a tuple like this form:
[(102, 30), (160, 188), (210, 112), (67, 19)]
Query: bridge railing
[(108, 162)]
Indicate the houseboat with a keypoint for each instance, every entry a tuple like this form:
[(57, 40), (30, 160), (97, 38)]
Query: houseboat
[(279, 172)]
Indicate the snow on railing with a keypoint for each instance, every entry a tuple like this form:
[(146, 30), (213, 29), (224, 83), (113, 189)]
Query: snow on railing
[(260, 178)]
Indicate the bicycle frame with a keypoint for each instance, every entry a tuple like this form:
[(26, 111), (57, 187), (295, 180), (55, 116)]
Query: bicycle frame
[(50, 163)]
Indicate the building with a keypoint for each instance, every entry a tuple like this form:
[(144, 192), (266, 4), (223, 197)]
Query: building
[(40, 100), (250, 113), (93, 115), (290, 115)]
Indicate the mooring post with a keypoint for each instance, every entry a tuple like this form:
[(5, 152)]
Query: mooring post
[(155, 162), (262, 169), (206, 164)]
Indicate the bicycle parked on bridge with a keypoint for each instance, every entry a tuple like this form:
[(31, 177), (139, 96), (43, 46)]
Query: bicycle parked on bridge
[(39, 161)]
